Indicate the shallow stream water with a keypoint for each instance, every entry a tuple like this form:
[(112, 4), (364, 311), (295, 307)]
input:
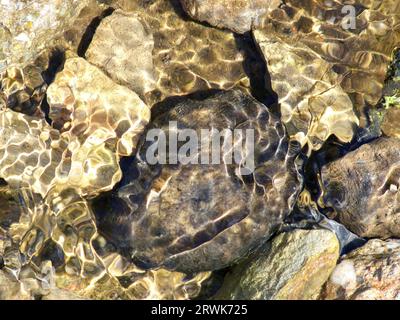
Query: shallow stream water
[(57, 236)]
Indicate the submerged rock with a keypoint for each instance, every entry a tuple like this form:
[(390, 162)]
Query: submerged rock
[(122, 46), (23, 89), (193, 215), (29, 150), (237, 15), (60, 231), (98, 122), (363, 188), (188, 57), (79, 35), (313, 105), (10, 209), (92, 107), (32, 24), (10, 289), (391, 100), (59, 294), (294, 266), (328, 62), (390, 122), (368, 273)]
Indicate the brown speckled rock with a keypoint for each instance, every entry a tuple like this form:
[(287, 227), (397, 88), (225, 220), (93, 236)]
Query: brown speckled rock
[(294, 266), (237, 15), (363, 188), (371, 272)]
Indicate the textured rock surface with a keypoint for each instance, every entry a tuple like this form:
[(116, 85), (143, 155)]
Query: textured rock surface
[(126, 56), (203, 217), (237, 15), (391, 100), (313, 105), (363, 188), (35, 156), (331, 65), (78, 36), (29, 289), (368, 273), (391, 91), (32, 24), (195, 217), (10, 209), (11, 290), (390, 121), (29, 149), (57, 242), (294, 266), (23, 90), (88, 104), (99, 121), (188, 56)]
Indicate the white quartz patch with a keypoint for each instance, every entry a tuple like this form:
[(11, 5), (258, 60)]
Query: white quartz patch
[(344, 274)]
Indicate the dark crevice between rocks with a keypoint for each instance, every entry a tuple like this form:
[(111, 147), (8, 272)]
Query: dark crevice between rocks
[(254, 64), (169, 102), (91, 30), (211, 286), (257, 71), (50, 251), (113, 216), (55, 65), (178, 8), (311, 218)]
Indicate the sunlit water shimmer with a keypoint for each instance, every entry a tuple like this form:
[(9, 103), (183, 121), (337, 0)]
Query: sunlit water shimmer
[(75, 106)]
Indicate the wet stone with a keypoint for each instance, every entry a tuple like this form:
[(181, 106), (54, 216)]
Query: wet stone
[(87, 103), (33, 24), (237, 15), (124, 55), (390, 122), (391, 100), (293, 266), (368, 273), (95, 121), (328, 70), (188, 57), (85, 212), (24, 89), (362, 188), (195, 217)]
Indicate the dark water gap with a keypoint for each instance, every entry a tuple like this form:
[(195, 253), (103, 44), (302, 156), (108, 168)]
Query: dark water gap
[(91, 30)]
